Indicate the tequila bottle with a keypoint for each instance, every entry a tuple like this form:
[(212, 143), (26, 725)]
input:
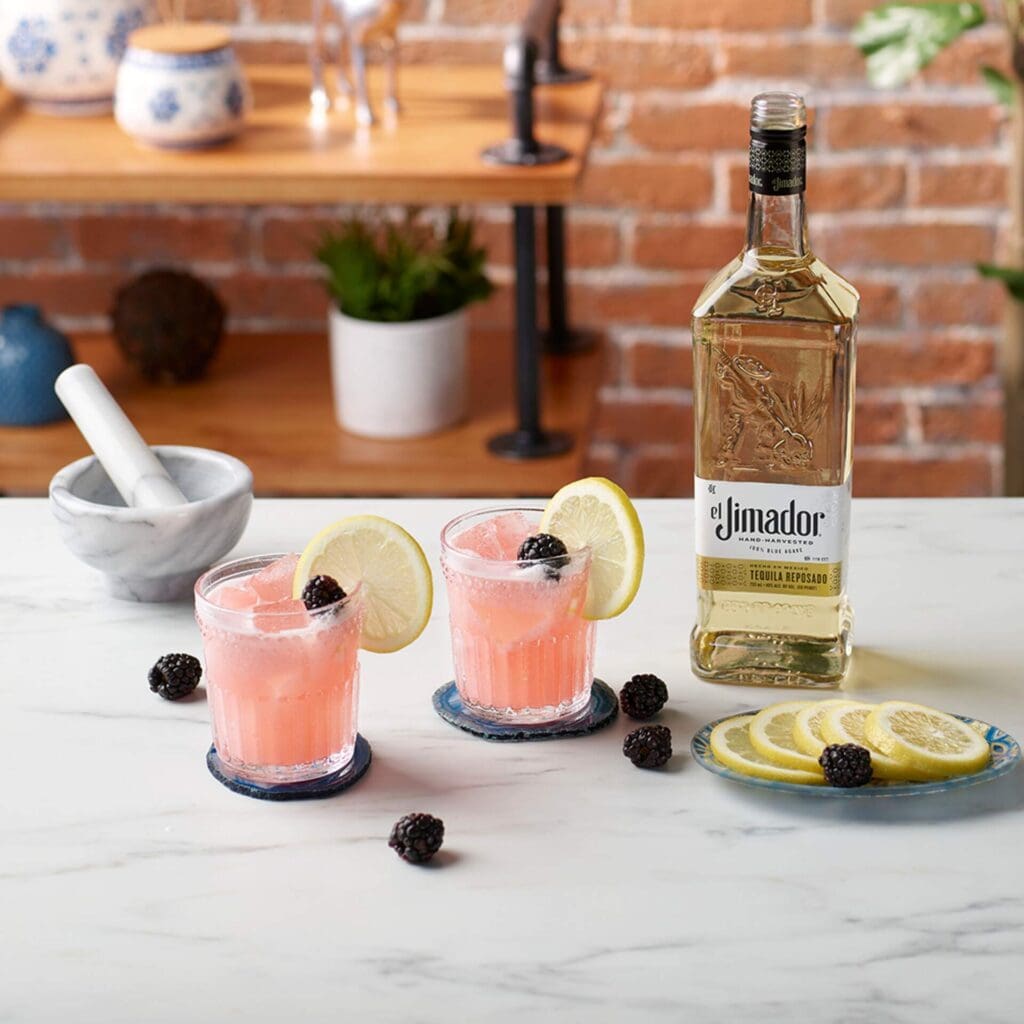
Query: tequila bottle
[(773, 350)]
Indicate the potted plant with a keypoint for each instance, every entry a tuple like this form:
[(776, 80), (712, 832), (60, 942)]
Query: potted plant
[(398, 324)]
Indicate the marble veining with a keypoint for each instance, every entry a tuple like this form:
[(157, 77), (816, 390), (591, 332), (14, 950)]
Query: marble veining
[(154, 554), (572, 887)]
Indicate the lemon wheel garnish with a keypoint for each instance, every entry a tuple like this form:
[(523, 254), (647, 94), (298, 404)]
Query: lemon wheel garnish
[(807, 733), (926, 740), (730, 743), (771, 733), (845, 724), (597, 514), (390, 569)]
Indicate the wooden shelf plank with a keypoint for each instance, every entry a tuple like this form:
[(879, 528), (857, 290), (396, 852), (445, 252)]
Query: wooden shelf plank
[(432, 153), (267, 400)]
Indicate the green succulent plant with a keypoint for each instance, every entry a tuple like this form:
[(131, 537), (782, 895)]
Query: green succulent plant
[(397, 272)]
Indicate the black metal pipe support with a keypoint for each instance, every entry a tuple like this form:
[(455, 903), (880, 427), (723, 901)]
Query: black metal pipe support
[(535, 56), (558, 315), (560, 338), (550, 69), (529, 440), (522, 148)]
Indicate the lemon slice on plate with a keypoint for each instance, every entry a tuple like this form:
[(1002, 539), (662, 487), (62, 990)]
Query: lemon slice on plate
[(807, 733), (925, 740), (771, 734), (388, 565), (597, 514), (730, 743), (845, 724)]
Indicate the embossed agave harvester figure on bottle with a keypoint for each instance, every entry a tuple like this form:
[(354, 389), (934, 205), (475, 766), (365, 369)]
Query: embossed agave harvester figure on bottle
[(773, 349)]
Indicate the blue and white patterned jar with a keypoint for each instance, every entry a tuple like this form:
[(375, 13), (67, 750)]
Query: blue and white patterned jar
[(62, 55), (32, 356), (186, 93)]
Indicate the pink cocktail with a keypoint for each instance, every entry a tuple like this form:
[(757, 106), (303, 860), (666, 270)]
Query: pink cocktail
[(523, 652), (282, 682)]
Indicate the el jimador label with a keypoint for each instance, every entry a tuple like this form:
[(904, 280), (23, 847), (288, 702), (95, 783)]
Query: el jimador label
[(771, 538)]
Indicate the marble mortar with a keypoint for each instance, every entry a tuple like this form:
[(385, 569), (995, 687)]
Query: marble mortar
[(154, 554)]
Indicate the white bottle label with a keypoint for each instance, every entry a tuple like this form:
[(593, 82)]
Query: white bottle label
[(771, 538)]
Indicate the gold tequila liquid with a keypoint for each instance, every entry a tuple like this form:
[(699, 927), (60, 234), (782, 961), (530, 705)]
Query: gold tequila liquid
[(773, 349)]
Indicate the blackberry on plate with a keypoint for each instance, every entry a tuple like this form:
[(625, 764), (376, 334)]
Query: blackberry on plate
[(175, 676), (846, 765), (417, 837), (547, 548), (643, 696), (321, 591), (650, 746)]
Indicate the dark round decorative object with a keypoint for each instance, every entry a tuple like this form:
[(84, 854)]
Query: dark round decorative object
[(649, 746), (643, 696), (168, 324), (417, 837), (175, 676), (847, 765)]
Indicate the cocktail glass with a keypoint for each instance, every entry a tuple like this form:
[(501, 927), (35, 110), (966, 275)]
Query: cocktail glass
[(282, 682), (523, 652)]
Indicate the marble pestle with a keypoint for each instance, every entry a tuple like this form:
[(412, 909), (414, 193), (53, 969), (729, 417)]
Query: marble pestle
[(133, 469)]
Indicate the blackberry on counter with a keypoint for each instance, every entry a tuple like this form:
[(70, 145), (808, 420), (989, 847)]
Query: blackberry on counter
[(175, 676), (643, 696), (650, 746), (321, 591), (846, 765), (544, 547), (417, 837)]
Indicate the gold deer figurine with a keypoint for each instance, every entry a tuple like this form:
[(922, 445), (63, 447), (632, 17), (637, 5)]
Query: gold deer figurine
[(361, 24)]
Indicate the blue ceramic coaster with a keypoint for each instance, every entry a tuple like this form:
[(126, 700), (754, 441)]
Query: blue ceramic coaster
[(601, 711), (315, 789)]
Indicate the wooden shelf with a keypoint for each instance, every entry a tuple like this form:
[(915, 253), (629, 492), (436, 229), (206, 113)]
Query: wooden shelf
[(267, 400), (431, 154)]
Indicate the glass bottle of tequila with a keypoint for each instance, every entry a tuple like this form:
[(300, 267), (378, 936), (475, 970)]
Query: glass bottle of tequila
[(773, 350)]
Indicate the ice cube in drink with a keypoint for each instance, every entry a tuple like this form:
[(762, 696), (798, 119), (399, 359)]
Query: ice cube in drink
[(274, 583)]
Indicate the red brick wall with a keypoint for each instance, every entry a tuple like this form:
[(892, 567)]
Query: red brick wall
[(907, 191)]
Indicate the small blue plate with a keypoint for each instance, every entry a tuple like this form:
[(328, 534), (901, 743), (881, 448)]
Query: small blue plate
[(1006, 754)]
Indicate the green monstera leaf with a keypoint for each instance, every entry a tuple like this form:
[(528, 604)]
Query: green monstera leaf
[(901, 39), (1001, 86), (1012, 278)]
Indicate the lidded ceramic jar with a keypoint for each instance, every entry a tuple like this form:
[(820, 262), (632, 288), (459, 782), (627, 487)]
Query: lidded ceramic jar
[(181, 86), (62, 55), (32, 356)]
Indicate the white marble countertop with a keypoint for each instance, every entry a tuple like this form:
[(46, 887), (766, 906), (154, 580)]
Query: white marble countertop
[(575, 887)]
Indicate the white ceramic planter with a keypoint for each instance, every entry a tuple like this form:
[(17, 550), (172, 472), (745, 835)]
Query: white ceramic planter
[(394, 380), (62, 55), (181, 100)]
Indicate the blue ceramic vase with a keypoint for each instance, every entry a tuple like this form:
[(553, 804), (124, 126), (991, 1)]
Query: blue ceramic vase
[(32, 356)]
